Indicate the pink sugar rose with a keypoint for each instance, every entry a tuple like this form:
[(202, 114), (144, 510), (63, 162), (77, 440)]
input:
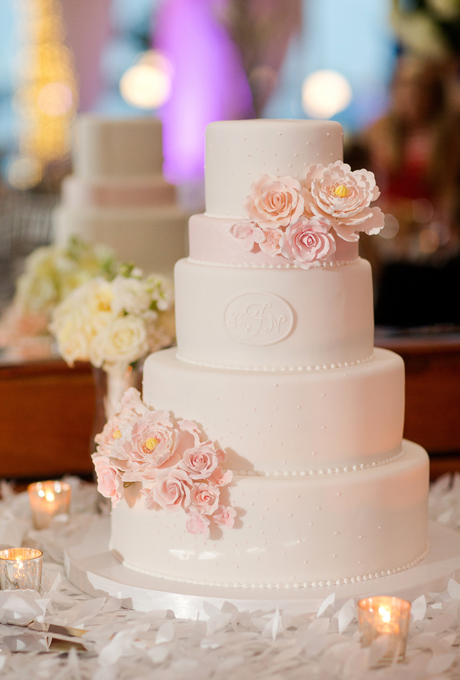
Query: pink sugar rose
[(172, 489), (344, 197), (225, 516), (108, 480), (204, 498), (274, 201), (197, 524), (221, 478), (201, 461), (271, 245), (307, 241), (248, 233)]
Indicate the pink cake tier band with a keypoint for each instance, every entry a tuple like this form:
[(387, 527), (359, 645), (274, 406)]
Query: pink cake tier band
[(125, 192), (212, 242)]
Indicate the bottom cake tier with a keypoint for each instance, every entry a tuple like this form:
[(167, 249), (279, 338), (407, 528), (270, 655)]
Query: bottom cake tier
[(290, 531)]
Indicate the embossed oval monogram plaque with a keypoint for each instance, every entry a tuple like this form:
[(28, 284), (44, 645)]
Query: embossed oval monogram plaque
[(259, 318)]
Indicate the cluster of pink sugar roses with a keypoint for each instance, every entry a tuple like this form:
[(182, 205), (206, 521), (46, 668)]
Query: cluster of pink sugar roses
[(294, 220), (177, 469)]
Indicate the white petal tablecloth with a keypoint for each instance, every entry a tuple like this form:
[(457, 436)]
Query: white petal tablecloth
[(121, 644)]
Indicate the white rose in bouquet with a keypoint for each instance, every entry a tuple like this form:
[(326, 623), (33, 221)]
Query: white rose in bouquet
[(115, 322), (80, 317), (122, 340), (50, 274), (130, 295)]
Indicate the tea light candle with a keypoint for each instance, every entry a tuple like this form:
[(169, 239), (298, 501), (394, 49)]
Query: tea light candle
[(47, 500), (20, 568), (385, 615)]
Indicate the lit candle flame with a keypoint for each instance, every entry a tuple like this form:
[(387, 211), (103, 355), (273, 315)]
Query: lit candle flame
[(49, 495), (385, 614)]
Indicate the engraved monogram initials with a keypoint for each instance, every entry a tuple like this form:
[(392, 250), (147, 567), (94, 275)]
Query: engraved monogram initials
[(259, 318)]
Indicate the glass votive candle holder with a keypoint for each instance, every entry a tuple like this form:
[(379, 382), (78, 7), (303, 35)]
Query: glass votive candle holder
[(20, 568), (385, 616), (49, 500)]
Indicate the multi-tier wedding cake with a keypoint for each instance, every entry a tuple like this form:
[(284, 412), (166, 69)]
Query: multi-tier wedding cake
[(267, 450), (117, 195)]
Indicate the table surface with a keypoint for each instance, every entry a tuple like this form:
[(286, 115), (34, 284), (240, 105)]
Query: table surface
[(233, 645)]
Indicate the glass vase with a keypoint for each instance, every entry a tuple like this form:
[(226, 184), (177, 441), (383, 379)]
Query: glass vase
[(110, 385)]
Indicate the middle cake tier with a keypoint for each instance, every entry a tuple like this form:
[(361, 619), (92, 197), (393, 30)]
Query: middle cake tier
[(274, 319), (288, 422)]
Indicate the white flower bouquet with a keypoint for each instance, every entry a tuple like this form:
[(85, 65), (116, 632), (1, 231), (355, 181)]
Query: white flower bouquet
[(50, 274), (113, 324)]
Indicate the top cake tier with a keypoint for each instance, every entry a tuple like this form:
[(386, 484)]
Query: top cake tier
[(117, 148), (238, 152)]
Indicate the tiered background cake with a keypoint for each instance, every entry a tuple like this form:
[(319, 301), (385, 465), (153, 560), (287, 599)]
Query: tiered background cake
[(117, 195), (275, 362)]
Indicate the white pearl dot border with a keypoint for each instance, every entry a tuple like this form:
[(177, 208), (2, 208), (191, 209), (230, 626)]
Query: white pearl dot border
[(283, 586)]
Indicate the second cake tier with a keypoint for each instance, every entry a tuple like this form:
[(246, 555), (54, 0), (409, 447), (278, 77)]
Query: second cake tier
[(272, 319)]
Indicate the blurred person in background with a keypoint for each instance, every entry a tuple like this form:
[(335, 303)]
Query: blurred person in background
[(414, 151)]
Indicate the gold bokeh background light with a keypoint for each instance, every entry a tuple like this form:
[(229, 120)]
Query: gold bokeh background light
[(46, 96)]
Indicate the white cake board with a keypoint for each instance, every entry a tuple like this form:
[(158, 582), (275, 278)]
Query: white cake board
[(93, 568)]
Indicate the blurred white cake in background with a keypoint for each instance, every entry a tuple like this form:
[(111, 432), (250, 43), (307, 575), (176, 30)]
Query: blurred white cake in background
[(117, 194)]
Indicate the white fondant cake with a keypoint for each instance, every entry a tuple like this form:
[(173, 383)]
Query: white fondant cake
[(275, 364), (117, 195)]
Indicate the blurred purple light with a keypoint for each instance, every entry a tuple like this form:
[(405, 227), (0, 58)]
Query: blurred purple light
[(209, 82)]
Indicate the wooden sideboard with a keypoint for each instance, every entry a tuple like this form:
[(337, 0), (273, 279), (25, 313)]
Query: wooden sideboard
[(432, 416), (46, 419), (47, 409)]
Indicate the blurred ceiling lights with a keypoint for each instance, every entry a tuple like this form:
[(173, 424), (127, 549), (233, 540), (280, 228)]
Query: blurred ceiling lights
[(147, 84), (45, 98), (325, 93)]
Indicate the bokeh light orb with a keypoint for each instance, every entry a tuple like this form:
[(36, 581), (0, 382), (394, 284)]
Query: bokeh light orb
[(55, 99), (147, 84), (24, 172), (325, 93)]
